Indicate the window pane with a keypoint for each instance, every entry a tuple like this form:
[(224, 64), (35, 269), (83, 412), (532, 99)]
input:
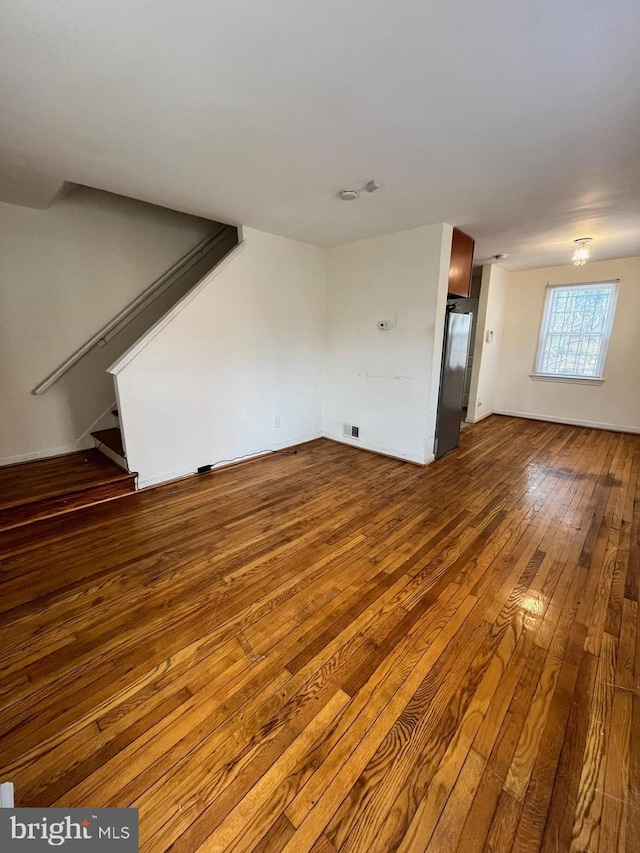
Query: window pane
[(577, 320)]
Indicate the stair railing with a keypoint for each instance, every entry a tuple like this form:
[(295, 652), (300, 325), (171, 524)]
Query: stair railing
[(139, 304)]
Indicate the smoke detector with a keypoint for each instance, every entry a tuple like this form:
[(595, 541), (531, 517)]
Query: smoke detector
[(348, 195)]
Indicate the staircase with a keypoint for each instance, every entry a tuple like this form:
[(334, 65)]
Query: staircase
[(32, 491), (109, 441), (35, 490)]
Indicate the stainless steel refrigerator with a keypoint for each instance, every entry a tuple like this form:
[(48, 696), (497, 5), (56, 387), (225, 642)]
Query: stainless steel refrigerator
[(454, 364)]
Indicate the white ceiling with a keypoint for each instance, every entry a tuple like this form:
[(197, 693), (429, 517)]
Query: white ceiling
[(517, 120)]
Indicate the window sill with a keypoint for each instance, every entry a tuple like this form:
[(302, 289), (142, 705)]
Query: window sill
[(578, 380)]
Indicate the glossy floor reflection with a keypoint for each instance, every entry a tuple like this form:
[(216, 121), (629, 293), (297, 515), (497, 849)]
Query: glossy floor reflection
[(337, 651)]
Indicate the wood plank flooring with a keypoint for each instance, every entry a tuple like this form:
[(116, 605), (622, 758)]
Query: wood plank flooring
[(48, 487), (336, 651)]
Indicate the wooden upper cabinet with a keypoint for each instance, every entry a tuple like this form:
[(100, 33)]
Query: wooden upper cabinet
[(461, 264)]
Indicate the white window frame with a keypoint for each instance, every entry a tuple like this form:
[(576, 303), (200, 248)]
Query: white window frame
[(597, 379)]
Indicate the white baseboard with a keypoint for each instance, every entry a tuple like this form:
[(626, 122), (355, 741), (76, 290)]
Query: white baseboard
[(84, 442), (103, 421), (120, 461), (170, 476), (569, 421), (479, 418), (45, 454), (384, 451), (301, 439), (160, 479)]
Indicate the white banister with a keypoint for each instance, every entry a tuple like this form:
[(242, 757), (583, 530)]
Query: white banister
[(139, 304)]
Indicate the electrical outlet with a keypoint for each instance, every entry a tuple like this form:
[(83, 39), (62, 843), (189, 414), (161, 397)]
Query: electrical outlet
[(277, 421)]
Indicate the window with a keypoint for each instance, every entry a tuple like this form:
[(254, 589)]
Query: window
[(575, 331)]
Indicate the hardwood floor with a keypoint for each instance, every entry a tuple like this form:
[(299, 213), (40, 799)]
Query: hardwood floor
[(336, 651), (48, 487)]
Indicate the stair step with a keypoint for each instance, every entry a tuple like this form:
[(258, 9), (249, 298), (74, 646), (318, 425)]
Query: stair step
[(111, 438), (39, 510), (45, 488)]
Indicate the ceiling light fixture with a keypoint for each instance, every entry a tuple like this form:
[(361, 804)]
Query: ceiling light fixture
[(581, 251)]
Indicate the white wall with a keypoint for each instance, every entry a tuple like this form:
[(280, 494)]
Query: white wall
[(244, 347), (29, 188), (64, 273), (486, 354), (616, 403), (386, 382)]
